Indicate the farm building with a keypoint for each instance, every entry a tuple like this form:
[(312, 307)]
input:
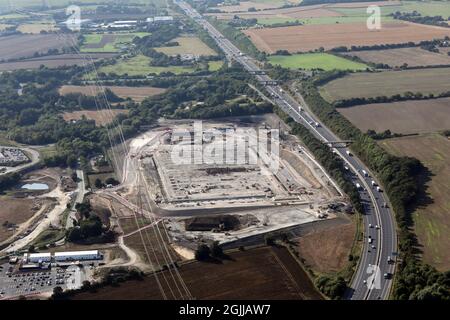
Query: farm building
[(77, 255)]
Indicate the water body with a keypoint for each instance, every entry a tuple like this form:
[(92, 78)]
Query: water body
[(35, 186)]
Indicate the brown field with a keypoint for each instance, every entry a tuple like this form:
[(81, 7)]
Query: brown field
[(136, 93), (401, 117), (432, 222), (18, 46), (262, 273), (310, 37), (53, 61), (327, 250), (101, 117), (152, 240), (396, 57), (387, 83), (15, 211)]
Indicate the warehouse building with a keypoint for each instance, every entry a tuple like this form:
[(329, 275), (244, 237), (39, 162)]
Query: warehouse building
[(38, 257), (77, 255)]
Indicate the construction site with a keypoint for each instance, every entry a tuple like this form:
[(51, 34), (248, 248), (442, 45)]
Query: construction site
[(221, 184)]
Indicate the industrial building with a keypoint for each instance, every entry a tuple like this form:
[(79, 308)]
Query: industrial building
[(77, 255), (38, 257)]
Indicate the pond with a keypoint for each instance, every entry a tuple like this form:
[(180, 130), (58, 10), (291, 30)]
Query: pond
[(35, 186)]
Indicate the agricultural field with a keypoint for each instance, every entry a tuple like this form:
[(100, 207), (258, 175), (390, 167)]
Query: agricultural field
[(14, 211), (326, 12), (101, 117), (214, 65), (326, 250), (24, 46), (135, 93), (53, 61), (263, 273), (328, 36), (387, 83), (310, 61), (140, 66), (404, 117), (188, 45), (432, 222), (111, 42), (413, 57), (36, 28)]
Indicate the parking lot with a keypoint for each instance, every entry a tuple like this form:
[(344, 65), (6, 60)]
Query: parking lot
[(33, 282)]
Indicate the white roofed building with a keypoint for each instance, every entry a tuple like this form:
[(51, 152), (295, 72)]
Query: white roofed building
[(38, 257), (77, 255)]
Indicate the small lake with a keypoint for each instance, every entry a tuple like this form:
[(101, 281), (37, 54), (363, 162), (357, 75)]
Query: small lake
[(35, 186)]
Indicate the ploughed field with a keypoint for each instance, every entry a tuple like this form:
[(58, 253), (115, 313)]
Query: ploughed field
[(328, 36), (54, 61), (25, 46), (262, 273)]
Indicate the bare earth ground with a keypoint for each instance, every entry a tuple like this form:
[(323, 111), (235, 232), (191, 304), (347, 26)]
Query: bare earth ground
[(309, 37), (401, 117), (101, 117), (396, 57), (14, 211), (432, 222), (387, 83), (53, 61), (18, 46), (262, 273), (327, 250), (136, 93)]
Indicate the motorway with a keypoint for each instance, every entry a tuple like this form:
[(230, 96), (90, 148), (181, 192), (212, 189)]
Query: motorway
[(373, 278)]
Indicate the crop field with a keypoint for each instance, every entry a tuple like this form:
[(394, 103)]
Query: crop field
[(401, 117), (311, 37), (387, 83), (18, 46), (100, 117), (263, 273), (413, 57), (140, 65), (188, 45), (135, 93), (432, 222), (108, 42), (36, 28), (53, 61), (320, 11), (309, 61)]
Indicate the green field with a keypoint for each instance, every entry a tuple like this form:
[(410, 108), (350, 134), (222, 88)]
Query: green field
[(9, 5), (140, 65), (214, 65), (188, 45), (112, 46), (310, 61)]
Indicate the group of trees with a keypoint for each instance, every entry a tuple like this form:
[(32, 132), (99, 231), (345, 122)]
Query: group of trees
[(205, 252), (239, 39), (416, 17), (89, 228), (401, 178)]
